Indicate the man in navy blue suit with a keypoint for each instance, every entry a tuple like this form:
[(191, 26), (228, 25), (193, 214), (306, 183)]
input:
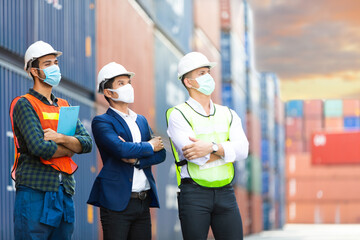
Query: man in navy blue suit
[(125, 187)]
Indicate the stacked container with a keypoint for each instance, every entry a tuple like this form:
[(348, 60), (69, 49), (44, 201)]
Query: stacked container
[(69, 26), (321, 193)]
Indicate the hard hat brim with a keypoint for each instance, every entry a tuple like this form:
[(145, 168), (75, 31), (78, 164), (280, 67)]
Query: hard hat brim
[(28, 64), (101, 88), (209, 64)]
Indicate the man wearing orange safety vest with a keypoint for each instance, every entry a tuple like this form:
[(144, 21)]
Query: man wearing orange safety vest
[(43, 168)]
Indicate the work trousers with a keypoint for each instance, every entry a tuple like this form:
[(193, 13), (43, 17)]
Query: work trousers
[(134, 223), (200, 208), (43, 215)]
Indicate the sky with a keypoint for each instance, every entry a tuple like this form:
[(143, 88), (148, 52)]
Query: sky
[(313, 46)]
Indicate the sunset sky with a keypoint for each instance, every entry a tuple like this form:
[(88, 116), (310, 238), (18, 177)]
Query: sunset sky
[(313, 46)]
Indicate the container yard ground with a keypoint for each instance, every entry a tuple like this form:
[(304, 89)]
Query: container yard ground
[(311, 232)]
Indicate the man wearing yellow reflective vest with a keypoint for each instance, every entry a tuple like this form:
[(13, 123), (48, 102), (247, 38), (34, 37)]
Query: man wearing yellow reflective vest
[(43, 168), (206, 139)]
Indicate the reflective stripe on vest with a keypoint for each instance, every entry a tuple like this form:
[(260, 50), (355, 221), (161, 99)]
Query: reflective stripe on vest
[(49, 116), (213, 128)]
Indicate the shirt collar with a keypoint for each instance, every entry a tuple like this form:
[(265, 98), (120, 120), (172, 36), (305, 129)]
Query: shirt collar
[(198, 108), (132, 115), (42, 97)]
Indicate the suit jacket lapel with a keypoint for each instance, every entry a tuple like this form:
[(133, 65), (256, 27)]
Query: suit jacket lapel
[(121, 121)]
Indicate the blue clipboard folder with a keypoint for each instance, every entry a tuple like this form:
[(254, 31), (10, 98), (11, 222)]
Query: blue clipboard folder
[(68, 117)]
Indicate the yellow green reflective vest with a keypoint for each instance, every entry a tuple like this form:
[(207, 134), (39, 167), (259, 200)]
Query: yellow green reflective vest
[(213, 128)]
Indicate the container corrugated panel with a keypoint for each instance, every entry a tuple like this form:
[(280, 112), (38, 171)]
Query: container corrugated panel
[(333, 108), (267, 90), (203, 44), (267, 123), (169, 90), (238, 57), (313, 108), (253, 92), (240, 104), (225, 56), (176, 20), (256, 213), (294, 127), (69, 26), (254, 170), (265, 184), (253, 133), (135, 53), (351, 123), (210, 26), (13, 84), (351, 107), (168, 223), (267, 219), (237, 16), (334, 123), (294, 108)]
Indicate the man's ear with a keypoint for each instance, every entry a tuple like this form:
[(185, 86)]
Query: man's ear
[(187, 82), (34, 72), (107, 93)]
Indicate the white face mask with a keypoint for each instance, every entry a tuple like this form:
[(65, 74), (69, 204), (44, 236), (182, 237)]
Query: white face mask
[(125, 94)]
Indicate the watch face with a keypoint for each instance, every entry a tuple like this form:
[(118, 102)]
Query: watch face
[(215, 147)]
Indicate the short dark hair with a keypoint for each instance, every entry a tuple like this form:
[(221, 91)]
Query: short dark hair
[(34, 64), (108, 84)]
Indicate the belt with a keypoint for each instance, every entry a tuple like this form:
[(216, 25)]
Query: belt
[(140, 195), (188, 181)]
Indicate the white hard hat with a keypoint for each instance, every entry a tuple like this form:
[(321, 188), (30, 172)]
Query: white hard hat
[(36, 50), (109, 71), (192, 61)]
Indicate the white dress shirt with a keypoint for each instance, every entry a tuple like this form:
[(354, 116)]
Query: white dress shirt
[(140, 182), (179, 131)]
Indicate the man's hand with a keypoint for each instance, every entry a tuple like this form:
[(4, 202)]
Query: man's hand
[(197, 149), (50, 134), (157, 143)]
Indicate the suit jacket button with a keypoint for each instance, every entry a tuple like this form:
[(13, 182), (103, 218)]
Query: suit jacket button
[(130, 180)]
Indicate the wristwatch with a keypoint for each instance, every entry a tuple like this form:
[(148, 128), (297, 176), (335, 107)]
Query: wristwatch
[(215, 147)]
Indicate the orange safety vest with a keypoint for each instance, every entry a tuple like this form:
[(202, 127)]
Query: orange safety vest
[(49, 116)]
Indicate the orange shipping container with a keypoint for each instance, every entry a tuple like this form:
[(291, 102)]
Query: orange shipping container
[(256, 213), (294, 145), (323, 212), (312, 125), (253, 134), (118, 26), (300, 166), (323, 189), (294, 127), (334, 124), (313, 108), (210, 26), (351, 107), (242, 198)]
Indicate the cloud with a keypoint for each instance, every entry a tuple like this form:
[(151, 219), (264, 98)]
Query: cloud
[(296, 38)]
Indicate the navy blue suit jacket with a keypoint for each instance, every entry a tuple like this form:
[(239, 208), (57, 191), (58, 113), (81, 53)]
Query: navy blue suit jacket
[(112, 187)]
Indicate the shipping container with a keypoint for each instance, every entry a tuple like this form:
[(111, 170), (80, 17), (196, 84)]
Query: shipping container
[(326, 212), (202, 44), (294, 108), (15, 82), (242, 198), (323, 189), (69, 26), (351, 107), (335, 148), (256, 213), (300, 166), (294, 128), (352, 123), (335, 124), (333, 108), (225, 15), (175, 20), (253, 133), (209, 26), (226, 56), (294, 145), (238, 57), (279, 110), (169, 89), (255, 177), (137, 57), (313, 109), (237, 15), (267, 90)]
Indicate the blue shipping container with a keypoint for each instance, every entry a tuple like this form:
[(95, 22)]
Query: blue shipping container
[(69, 26), (225, 42), (352, 123), (15, 82), (294, 108)]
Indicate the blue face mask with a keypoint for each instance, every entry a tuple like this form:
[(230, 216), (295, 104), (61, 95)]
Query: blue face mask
[(52, 74), (206, 83)]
